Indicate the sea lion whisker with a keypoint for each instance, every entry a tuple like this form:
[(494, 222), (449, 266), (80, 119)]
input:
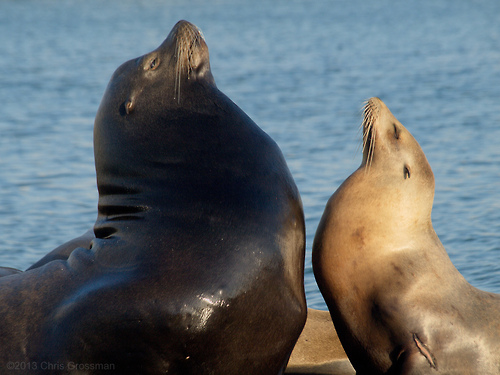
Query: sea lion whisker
[(369, 134), (178, 70), (185, 48), (365, 125), (361, 130), (195, 36), (372, 145)]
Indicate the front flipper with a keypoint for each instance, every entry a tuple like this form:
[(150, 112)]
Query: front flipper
[(6, 271), (63, 251)]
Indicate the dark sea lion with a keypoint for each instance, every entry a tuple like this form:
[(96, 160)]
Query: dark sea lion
[(197, 265), (318, 350), (397, 301)]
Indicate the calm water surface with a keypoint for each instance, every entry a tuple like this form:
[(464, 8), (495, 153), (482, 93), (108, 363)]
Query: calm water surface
[(300, 69)]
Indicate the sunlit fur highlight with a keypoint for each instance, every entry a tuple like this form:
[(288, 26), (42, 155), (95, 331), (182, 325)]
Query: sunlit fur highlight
[(370, 112)]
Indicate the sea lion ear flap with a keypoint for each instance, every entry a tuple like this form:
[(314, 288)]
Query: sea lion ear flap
[(406, 171), (127, 107)]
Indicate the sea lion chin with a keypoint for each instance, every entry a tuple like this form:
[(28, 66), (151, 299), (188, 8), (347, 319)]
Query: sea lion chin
[(397, 302)]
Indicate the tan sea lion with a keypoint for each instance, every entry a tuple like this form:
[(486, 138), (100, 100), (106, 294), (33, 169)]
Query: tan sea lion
[(397, 301)]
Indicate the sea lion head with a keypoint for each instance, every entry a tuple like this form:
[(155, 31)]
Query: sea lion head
[(161, 76), (388, 199), (394, 167), (145, 101)]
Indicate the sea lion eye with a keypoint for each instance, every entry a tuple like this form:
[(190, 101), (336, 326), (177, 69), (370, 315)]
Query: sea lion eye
[(406, 172), (396, 132), (154, 64)]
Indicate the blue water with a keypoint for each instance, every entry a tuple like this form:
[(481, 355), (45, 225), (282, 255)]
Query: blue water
[(300, 69)]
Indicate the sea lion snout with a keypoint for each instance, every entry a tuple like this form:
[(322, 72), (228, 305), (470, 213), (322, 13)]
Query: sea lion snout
[(183, 28)]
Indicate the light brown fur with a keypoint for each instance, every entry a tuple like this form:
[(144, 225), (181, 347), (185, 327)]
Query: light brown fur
[(397, 301)]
